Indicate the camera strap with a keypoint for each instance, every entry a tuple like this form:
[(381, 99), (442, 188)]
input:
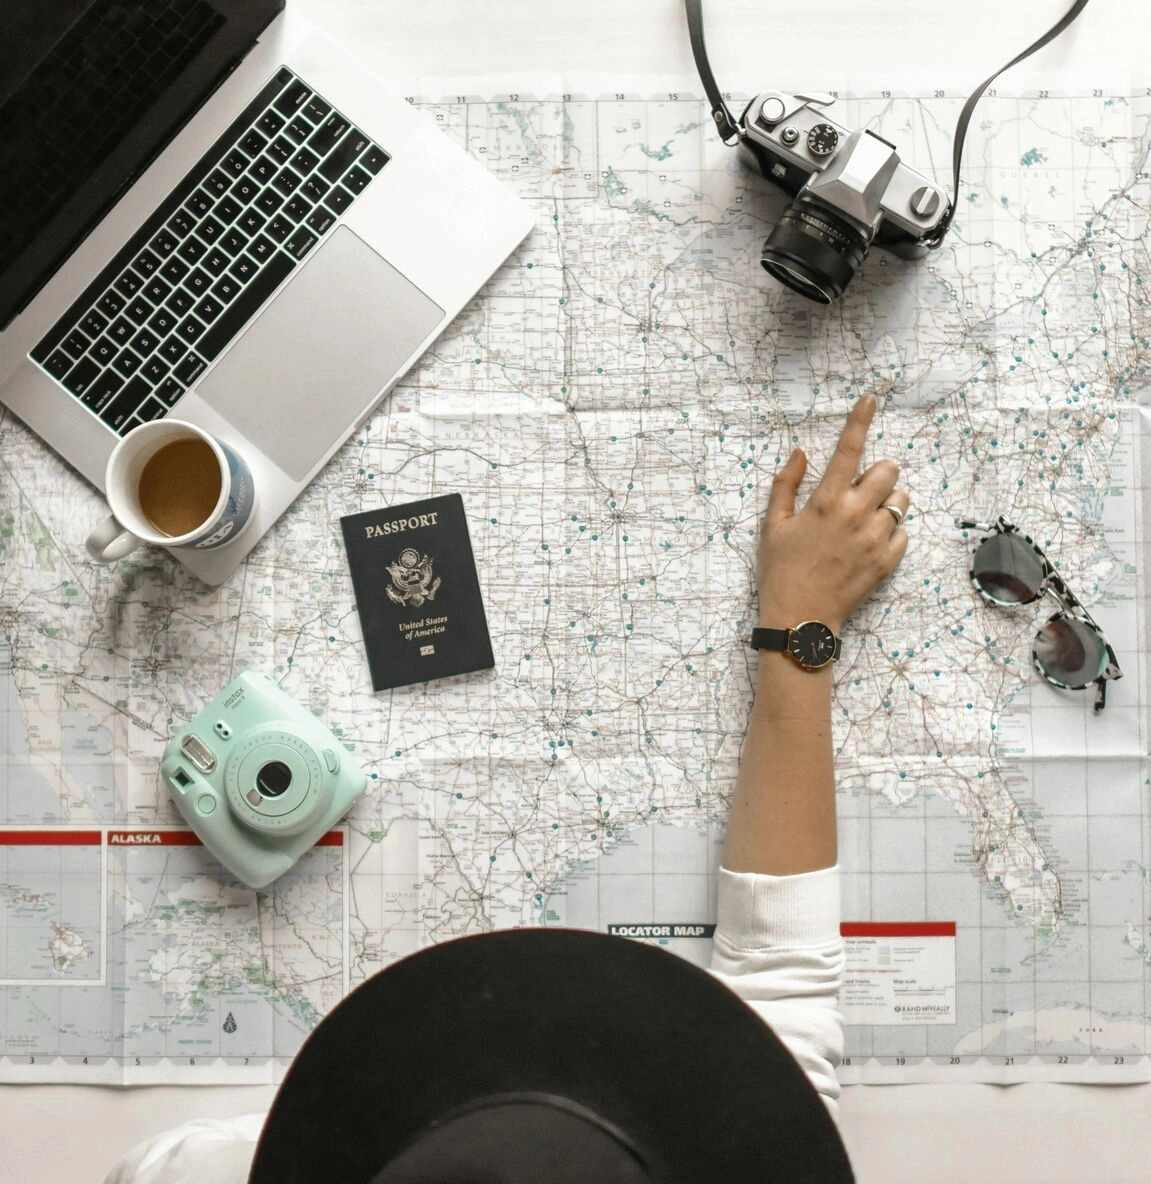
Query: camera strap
[(732, 132), (969, 107)]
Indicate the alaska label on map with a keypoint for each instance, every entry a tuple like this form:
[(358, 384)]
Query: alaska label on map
[(417, 592)]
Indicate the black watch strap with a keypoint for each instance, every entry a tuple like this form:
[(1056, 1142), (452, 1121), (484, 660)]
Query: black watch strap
[(769, 639)]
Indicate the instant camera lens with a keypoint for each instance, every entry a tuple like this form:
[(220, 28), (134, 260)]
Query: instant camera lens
[(814, 251), (273, 779)]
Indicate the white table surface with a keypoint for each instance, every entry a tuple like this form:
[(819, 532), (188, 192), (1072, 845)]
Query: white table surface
[(1022, 1133)]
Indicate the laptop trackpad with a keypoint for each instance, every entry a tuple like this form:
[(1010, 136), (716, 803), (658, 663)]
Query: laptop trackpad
[(316, 358)]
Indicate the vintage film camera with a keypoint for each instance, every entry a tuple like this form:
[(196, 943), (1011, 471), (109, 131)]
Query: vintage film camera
[(849, 187), (259, 778)]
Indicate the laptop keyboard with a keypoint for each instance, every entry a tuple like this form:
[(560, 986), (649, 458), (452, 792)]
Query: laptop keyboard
[(210, 255)]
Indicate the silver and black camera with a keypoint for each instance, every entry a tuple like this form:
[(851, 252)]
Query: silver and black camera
[(850, 190), (849, 187)]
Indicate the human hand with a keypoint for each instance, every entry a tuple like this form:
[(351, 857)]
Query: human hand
[(820, 562)]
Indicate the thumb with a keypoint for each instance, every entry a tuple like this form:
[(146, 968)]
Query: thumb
[(785, 485)]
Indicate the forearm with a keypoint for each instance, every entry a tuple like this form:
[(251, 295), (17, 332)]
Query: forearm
[(783, 810)]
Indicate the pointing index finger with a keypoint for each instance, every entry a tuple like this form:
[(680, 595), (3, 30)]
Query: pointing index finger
[(844, 464)]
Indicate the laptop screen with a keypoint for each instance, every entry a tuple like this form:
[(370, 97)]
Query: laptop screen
[(90, 92)]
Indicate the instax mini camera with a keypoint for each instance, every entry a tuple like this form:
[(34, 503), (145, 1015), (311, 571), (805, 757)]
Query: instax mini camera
[(259, 778)]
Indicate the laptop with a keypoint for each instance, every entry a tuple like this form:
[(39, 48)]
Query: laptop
[(211, 212)]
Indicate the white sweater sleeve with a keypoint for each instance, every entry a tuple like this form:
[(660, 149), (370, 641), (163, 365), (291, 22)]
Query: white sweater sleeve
[(777, 946), (199, 1152)]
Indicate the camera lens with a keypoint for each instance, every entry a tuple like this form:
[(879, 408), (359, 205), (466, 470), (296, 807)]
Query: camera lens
[(273, 779), (814, 251)]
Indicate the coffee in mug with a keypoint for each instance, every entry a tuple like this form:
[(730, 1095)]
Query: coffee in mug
[(180, 486), (172, 484)]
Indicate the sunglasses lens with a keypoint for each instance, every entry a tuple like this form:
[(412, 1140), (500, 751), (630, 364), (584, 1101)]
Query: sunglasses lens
[(1070, 651), (1007, 570)]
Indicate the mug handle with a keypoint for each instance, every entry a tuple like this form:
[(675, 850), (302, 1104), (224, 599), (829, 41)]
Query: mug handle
[(110, 541)]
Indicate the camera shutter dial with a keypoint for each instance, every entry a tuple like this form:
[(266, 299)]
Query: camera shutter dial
[(822, 139)]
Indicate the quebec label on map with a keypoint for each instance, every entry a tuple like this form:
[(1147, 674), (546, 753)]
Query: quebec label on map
[(898, 972)]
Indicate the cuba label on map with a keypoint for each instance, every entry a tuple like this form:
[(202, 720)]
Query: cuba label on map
[(898, 973)]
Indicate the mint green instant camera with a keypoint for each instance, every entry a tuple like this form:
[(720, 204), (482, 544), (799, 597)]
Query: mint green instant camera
[(259, 778)]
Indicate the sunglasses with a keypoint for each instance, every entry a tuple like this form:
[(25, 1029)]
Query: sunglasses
[(1070, 651)]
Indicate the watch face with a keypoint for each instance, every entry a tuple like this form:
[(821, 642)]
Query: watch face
[(812, 644)]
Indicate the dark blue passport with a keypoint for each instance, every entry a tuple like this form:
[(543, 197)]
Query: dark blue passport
[(417, 593)]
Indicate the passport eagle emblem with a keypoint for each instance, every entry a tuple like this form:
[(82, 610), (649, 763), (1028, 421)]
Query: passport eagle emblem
[(412, 579)]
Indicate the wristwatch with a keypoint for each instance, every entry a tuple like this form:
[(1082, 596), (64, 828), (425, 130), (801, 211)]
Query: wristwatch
[(811, 643)]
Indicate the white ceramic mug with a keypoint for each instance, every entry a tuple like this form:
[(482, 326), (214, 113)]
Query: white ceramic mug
[(198, 493)]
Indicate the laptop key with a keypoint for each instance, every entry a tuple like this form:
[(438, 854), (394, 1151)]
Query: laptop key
[(200, 203), (320, 220), (156, 290), (121, 330), (298, 130), (189, 369), (227, 210), (338, 200), (301, 242), (243, 268), (145, 263), (110, 303), (297, 209), (124, 406), (103, 350), (155, 368), (270, 122), (355, 179), (102, 391), (210, 230), (208, 309), (75, 343), (225, 289), (374, 159), (214, 262), (316, 109), (293, 98), (304, 161), (253, 143), (190, 329), (129, 284), (343, 156), (218, 182), (328, 135), (198, 282), (127, 363), (168, 391), (281, 150), (179, 302), (145, 342), (235, 163), (180, 223), (164, 243), (94, 324), (152, 409), (78, 379), (174, 270), (58, 363), (162, 321), (138, 311), (279, 228), (286, 182), (173, 350)]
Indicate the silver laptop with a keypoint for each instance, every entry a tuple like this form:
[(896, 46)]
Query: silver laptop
[(211, 212)]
